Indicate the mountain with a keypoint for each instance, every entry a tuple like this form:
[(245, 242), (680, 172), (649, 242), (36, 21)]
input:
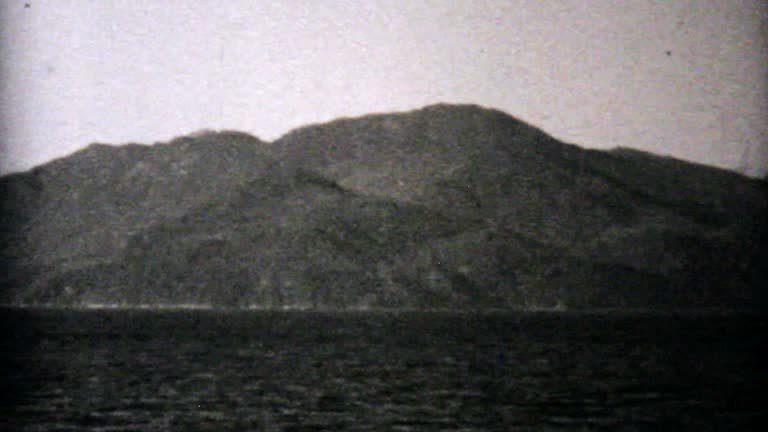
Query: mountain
[(456, 207)]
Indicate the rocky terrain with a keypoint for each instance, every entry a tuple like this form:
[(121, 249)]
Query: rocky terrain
[(449, 207)]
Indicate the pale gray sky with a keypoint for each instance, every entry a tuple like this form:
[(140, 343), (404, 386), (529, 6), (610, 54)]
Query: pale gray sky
[(687, 78)]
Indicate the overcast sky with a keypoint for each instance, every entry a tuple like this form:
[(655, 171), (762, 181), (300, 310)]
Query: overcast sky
[(678, 77)]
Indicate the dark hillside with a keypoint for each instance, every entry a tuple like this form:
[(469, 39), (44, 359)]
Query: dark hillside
[(444, 207)]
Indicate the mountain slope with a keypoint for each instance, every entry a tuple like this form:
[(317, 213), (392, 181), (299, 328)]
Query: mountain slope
[(80, 210), (447, 207)]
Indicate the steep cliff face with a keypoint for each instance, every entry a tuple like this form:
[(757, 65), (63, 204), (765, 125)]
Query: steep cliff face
[(443, 207)]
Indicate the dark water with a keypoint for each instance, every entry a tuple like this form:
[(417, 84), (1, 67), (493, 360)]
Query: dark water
[(298, 371)]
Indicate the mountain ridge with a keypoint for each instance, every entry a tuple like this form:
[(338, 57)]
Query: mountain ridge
[(441, 207)]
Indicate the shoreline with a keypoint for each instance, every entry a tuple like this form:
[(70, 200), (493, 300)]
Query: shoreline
[(296, 309)]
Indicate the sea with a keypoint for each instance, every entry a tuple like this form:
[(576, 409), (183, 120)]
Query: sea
[(209, 370)]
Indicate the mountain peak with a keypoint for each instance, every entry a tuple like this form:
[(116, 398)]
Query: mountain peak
[(450, 206), (459, 107), (217, 136)]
